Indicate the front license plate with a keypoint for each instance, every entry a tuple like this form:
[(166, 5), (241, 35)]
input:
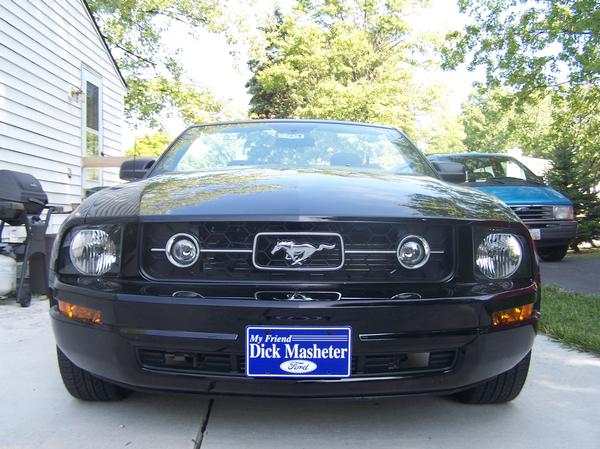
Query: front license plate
[(302, 352), (536, 234)]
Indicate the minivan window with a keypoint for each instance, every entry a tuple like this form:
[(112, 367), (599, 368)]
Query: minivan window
[(496, 168)]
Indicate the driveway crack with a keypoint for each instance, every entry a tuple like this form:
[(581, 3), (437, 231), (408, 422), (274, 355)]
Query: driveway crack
[(202, 431)]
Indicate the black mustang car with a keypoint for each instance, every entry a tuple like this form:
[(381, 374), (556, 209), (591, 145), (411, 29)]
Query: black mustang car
[(294, 258)]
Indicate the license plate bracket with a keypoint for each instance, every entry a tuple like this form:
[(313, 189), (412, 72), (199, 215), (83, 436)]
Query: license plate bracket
[(298, 352)]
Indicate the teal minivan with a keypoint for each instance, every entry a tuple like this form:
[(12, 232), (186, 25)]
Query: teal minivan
[(547, 213)]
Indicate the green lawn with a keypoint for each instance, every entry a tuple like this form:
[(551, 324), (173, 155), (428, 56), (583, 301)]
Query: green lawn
[(573, 318), (587, 252)]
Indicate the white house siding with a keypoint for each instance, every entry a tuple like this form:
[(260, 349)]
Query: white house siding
[(44, 44)]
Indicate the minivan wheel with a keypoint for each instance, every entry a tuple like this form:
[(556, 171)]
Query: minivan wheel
[(85, 386), (502, 388), (553, 253)]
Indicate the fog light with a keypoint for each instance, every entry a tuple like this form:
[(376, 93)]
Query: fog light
[(183, 250), (80, 313), (413, 252), (515, 315)]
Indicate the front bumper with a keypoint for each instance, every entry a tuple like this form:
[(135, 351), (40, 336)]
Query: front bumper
[(554, 232), (215, 326)]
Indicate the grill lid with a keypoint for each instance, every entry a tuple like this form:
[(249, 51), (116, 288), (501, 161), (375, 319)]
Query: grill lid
[(21, 188)]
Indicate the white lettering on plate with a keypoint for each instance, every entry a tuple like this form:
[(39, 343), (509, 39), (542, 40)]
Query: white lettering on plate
[(298, 366)]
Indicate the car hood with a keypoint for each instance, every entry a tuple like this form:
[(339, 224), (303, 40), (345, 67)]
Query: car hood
[(518, 195), (288, 193)]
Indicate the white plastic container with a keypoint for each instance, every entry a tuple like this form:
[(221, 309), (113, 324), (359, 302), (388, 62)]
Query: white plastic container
[(8, 275)]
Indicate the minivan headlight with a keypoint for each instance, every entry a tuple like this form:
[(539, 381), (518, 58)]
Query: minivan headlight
[(562, 212), (94, 251), (499, 255)]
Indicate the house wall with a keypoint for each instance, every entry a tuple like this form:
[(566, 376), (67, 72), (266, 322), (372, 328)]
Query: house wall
[(43, 46)]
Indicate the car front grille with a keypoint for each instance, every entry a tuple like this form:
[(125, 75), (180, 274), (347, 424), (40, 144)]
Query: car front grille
[(361, 252), (219, 364), (529, 213)]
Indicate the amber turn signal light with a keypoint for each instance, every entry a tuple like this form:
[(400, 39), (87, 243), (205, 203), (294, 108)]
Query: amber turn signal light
[(515, 315), (80, 313)]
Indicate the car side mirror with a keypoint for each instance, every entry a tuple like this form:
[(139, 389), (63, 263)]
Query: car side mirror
[(450, 171), (135, 168)]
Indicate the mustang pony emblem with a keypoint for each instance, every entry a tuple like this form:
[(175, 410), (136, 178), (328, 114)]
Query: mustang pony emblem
[(298, 253)]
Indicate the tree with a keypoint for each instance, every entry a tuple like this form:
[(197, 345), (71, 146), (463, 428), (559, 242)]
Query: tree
[(530, 45), (441, 132), (573, 177), (339, 59), (149, 145), (155, 79), (539, 50), (575, 142), (494, 121)]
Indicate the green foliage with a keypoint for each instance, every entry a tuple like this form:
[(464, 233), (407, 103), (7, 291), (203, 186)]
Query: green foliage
[(339, 59), (542, 63), (133, 30), (494, 122), (149, 145), (575, 143), (444, 134), (573, 318), (529, 44)]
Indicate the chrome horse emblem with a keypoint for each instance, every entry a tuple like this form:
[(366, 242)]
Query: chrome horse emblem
[(298, 253)]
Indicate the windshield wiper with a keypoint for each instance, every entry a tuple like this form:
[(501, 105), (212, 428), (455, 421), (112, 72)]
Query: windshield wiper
[(505, 179)]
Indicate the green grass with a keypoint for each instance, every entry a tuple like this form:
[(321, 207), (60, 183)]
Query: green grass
[(586, 252), (573, 318)]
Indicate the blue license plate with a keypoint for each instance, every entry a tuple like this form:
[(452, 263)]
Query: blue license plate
[(302, 352)]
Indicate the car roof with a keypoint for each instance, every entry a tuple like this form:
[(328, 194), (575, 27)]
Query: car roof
[(471, 154), (294, 120)]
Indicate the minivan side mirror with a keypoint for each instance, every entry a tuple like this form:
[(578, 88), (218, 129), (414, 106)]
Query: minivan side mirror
[(135, 168), (450, 171)]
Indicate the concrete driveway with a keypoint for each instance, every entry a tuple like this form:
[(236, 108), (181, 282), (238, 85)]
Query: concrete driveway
[(557, 409), (575, 273)]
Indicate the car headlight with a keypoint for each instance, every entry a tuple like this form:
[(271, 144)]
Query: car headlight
[(562, 212), (499, 255), (94, 251)]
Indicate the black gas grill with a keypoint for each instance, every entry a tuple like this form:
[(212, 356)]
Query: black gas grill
[(22, 199)]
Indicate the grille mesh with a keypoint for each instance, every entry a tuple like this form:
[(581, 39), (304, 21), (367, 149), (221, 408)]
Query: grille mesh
[(234, 364), (526, 213), (365, 246)]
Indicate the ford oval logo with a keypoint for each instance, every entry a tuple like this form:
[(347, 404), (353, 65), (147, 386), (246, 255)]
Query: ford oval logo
[(298, 366)]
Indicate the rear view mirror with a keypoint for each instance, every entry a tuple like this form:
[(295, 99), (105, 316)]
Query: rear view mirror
[(135, 168), (450, 171)]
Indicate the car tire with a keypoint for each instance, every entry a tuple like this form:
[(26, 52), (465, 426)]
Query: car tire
[(502, 388), (85, 386), (553, 253)]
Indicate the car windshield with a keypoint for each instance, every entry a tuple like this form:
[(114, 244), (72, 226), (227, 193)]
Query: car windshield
[(496, 169), (293, 145)]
